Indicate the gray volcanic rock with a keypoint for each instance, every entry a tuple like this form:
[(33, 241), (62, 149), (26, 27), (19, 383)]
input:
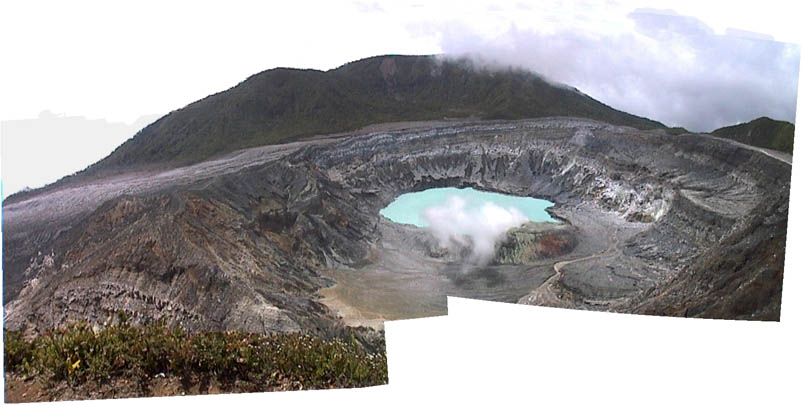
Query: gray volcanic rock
[(533, 241), (681, 225), (281, 105)]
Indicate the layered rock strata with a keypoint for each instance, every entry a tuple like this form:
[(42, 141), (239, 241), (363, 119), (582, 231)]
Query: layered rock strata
[(683, 225)]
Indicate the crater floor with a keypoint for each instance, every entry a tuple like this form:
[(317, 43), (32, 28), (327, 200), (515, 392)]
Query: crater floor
[(288, 237)]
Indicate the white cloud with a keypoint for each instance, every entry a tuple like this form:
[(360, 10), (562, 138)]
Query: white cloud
[(118, 61), (671, 68), (456, 226)]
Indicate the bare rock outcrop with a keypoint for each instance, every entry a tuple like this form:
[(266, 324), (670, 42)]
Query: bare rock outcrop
[(681, 225)]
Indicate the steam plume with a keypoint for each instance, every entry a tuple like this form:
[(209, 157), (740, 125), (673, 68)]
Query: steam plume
[(457, 227)]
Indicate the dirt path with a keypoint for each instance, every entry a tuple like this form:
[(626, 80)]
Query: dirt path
[(549, 293), (781, 156), (607, 253)]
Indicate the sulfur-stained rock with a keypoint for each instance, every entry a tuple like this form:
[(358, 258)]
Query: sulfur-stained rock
[(683, 225)]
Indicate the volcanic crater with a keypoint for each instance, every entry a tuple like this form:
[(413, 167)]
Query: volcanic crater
[(289, 237)]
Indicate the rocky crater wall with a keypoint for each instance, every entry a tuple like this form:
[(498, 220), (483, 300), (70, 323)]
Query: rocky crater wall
[(679, 225)]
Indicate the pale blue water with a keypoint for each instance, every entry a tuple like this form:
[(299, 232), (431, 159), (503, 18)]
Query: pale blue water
[(407, 208)]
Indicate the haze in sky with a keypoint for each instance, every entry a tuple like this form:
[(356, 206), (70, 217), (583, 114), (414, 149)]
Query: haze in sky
[(671, 68), (98, 60), (113, 62), (39, 151)]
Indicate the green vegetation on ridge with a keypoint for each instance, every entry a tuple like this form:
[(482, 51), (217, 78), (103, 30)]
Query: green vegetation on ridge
[(281, 105), (763, 132)]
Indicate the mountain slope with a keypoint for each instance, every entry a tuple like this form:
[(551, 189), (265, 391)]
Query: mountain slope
[(280, 105), (762, 132), (687, 226)]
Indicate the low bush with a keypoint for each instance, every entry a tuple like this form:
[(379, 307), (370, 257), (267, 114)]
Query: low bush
[(78, 353)]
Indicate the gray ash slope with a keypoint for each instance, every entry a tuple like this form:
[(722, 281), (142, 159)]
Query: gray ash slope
[(282, 105), (680, 225)]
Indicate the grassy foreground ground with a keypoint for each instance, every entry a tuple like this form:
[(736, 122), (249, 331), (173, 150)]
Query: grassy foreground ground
[(79, 362)]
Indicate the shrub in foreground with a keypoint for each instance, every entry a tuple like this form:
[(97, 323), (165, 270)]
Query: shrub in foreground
[(78, 354)]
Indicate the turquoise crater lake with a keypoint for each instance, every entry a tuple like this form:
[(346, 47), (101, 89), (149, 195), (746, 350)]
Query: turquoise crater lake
[(409, 208)]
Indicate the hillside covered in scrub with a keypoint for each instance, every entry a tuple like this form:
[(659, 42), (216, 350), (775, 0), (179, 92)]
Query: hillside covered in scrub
[(280, 105), (763, 132), (123, 360)]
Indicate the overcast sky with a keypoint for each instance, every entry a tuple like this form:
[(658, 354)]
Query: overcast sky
[(667, 67), (41, 150), (679, 62)]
